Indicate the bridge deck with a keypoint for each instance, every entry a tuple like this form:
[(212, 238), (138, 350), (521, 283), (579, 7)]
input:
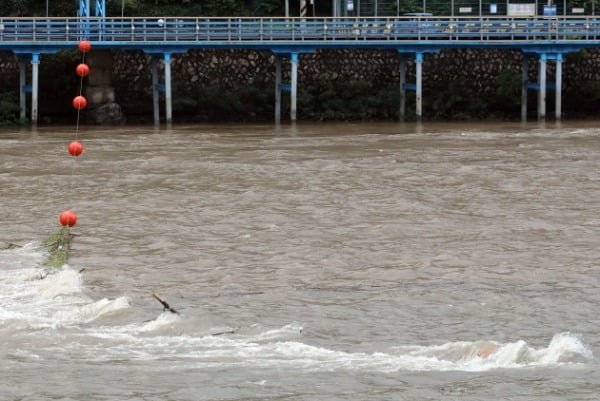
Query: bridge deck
[(184, 33)]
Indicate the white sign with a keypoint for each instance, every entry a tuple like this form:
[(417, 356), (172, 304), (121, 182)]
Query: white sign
[(578, 10), (464, 10), (521, 10)]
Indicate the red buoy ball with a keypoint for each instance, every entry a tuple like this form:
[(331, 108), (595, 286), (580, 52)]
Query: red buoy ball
[(75, 148), (79, 102), (68, 218), (82, 70), (85, 46)]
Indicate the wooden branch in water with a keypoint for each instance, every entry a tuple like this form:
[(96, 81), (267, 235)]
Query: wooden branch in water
[(164, 303)]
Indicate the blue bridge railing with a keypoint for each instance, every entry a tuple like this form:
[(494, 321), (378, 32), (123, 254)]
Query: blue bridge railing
[(185, 29)]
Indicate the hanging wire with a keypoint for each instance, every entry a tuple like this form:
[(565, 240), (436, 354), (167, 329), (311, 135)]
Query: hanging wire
[(71, 179), (80, 94)]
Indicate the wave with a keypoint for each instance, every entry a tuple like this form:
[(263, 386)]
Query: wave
[(35, 297), (33, 300)]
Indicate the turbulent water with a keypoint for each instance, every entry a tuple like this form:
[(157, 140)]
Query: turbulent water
[(308, 262)]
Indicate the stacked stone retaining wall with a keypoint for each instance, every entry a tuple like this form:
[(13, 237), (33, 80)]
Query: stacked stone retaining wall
[(475, 69)]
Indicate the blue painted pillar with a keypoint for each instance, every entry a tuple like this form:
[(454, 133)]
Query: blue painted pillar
[(84, 24), (294, 86), (277, 89), (419, 85), (155, 91), (84, 8), (402, 88), (558, 93), (168, 98), (524, 84), (100, 9), (542, 89), (35, 64), (22, 93)]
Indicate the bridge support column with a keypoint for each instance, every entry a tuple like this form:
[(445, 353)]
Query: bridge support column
[(419, 85), (35, 64), (558, 93), (155, 91), (277, 89), (294, 88), (402, 88), (22, 93), (168, 96), (542, 88), (524, 85), (291, 87)]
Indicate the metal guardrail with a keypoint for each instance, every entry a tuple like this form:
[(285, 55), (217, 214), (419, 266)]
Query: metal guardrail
[(180, 29)]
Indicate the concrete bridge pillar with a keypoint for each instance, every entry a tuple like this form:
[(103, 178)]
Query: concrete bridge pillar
[(166, 87), (419, 86), (558, 88), (524, 86), (403, 63), (155, 91), (168, 96), (22, 92), (277, 89), (294, 87), (542, 87), (35, 65)]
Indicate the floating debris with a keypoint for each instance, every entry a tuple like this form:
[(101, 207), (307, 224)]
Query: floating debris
[(57, 247)]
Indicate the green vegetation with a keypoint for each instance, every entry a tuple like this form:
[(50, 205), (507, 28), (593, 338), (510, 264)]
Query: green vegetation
[(9, 108), (328, 99), (58, 81), (215, 102), (57, 247)]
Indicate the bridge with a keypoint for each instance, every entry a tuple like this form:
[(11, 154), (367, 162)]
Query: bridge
[(545, 38)]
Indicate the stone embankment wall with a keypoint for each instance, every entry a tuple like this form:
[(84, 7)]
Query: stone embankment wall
[(475, 70)]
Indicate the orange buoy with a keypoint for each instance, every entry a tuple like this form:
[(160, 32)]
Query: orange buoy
[(79, 102), (82, 70), (85, 46), (68, 218), (75, 148)]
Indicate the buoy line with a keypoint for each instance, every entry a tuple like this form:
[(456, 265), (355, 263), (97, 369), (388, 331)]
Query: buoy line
[(75, 148)]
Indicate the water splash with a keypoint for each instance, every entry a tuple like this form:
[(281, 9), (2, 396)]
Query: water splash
[(30, 300)]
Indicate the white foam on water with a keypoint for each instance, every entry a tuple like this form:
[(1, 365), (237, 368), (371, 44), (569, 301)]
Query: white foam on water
[(31, 299), (35, 297)]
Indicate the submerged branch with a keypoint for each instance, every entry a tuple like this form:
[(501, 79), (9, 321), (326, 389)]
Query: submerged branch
[(164, 303)]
